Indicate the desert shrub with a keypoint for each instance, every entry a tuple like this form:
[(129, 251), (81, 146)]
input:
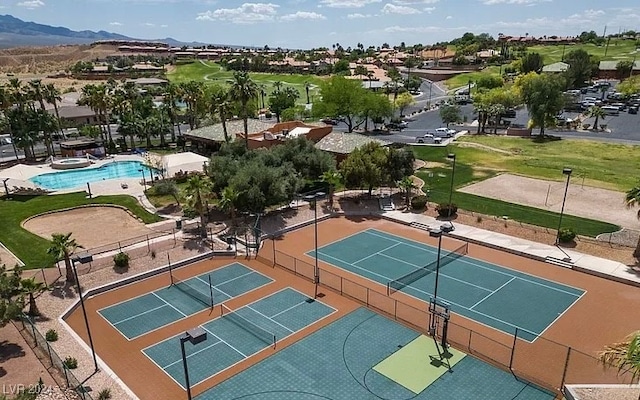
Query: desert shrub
[(268, 115), (419, 202), (104, 394), (566, 235), (71, 363), (445, 210), (51, 335), (121, 260)]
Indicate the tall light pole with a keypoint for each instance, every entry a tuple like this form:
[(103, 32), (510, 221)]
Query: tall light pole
[(193, 336), (567, 172), (452, 157), (84, 258), (435, 233), (313, 199)]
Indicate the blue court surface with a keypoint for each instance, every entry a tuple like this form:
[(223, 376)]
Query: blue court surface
[(337, 362), (140, 315), (499, 297), (239, 334)]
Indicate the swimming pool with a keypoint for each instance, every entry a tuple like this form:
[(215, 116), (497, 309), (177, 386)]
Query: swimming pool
[(79, 177)]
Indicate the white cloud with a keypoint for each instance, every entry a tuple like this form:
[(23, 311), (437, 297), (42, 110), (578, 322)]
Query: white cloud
[(449, 17), (520, 2), (409, 29), (414, 2), (31, 4), (164, 26), (247, 13), (429, 10), (149, 24), (358, 16), (115, 23), (393, 9), (302, 15), (347, 3)]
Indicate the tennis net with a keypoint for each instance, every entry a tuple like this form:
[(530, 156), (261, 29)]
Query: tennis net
[(406, 280), (252, 328), (203, 293)]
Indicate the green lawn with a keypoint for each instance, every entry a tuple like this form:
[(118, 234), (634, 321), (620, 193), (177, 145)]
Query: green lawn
[(32, 249), (210, 72), (618, 50), (463, 79), (528, 158)]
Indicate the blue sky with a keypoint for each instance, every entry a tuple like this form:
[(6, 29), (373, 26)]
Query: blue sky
[(313, 23)]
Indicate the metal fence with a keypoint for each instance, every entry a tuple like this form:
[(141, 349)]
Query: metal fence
[(543, 362), (51, 359)]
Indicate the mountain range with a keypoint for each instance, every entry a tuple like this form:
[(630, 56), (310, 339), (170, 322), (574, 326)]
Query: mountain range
[(15, 32)]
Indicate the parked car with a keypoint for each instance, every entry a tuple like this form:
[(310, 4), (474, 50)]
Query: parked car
[(633, 110), (329, 121), (428, 138), (397, 126), (509, 113), (444, 132)]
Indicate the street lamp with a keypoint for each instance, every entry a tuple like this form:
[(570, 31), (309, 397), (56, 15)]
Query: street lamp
[(451, 156), (193, 336), (436, 233), (430, 87), (567, 172), (84, 258), (313, 199)]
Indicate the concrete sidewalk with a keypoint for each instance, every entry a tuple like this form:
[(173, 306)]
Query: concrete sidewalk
[(544, 252)]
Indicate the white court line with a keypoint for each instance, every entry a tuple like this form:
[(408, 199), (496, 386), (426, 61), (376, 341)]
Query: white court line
[(288, 309), (194, 353), (447, 300), (560, 315), (492, 293), (269, 318), (142, 313), (169, 304), (376, 253), (516, 273), (418, 267), (225, 342)]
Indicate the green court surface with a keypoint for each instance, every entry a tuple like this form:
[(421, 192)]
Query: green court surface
[(418, 364), (239, 334), (140, 315), (496, 296), (338, 361)]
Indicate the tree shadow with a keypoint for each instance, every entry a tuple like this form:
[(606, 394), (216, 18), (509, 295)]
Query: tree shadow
[(9, 350), (62, 290)]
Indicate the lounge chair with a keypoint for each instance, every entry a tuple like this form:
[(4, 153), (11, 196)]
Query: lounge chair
[(124, 185)]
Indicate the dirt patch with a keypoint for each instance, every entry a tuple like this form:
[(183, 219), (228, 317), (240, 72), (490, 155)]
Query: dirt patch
[(582, 201), (484, 147), (18, 363), (90, 226)]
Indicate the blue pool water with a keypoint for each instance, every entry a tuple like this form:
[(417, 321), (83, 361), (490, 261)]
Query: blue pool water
[(79, 177)]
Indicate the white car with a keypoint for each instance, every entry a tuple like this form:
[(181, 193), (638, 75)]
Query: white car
[(445, 132), (428, 138)]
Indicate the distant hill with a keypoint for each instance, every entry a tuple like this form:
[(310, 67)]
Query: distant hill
[(15, 32)]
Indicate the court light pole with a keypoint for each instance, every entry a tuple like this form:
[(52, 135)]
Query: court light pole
[(313, 199), (84, 258), (451, 156), (193, 336), (435, 233), (567, 172)]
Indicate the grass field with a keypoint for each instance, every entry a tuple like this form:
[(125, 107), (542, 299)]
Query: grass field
[(538, 160), (209, 72), (32, 249), (618, 50), (463, 79)]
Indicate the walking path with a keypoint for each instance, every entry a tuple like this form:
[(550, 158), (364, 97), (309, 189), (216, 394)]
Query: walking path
[(546, 252)]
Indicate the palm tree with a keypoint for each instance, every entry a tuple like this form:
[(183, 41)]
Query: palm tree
[(597, 113), (244, 89), (625, 356), (407, 185), (31, 288), (228, 202), (171, 98), (307, 86), (192, 94), (62, 246), (6, 103), (632, 198), (332, 179), (197, 191), (219, 103), (52, 96)]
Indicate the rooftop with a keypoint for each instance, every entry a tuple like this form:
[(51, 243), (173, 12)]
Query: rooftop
[(345, 143), (215, 133)]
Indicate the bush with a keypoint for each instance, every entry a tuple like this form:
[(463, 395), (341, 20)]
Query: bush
[(445, 210), (71, 363), (268, 115), (121, 260), (418, 203), (566, 235), (51, 335), (104, 394)]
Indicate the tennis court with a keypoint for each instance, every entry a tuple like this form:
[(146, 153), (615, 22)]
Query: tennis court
[(140, 315), (239, 334), (496, 296)]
